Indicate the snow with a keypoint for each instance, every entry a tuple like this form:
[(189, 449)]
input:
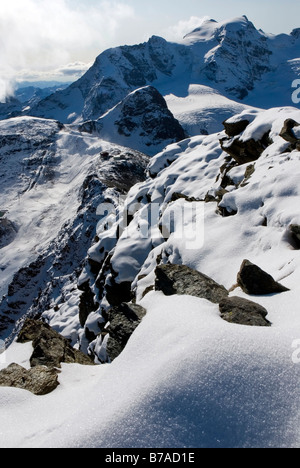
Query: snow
[(203, 109), (195, 380), (17, 353), (33, 200)]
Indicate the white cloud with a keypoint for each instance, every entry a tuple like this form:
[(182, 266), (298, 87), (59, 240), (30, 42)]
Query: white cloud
[(179, 30), (68, 72), (43, 35)]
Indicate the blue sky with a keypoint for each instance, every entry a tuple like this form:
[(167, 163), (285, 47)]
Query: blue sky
[(58, 39), (273, 16)]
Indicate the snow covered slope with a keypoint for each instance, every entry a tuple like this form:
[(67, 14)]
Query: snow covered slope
[(196, 380), (222, 209), (53, 179)]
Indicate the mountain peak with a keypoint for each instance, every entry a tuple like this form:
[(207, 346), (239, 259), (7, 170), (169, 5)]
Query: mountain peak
[(210, 28)]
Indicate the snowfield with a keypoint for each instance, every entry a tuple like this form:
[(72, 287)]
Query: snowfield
[(186, 379)]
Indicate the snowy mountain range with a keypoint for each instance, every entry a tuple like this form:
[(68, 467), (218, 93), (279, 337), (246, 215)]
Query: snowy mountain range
[(149, 214)]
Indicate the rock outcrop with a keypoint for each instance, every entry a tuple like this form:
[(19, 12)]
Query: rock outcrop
[(245, 151), (141, 121), (233, 129), (50, 349), (123, 320), (180, 279), (8, 232), (253, 280), (243, 312), (39, 380)]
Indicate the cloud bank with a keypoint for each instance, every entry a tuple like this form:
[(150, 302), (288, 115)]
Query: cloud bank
[(42, 35), (57, 40)]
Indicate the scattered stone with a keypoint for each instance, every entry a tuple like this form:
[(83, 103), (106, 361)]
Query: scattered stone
[(225, 212), (123, 320), (39, 380), (243, 312), (253, 280), (50, 348), (182, 280)]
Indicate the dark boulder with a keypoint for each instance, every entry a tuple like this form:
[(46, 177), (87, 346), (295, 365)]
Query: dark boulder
[(182, 280), (38, 380), (50, 348), (243, 312), (245, 151), (234, 129), (253, 280), (123, 320)]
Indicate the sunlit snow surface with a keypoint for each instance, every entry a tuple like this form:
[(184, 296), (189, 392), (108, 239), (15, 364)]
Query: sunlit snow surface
[(186, 379)]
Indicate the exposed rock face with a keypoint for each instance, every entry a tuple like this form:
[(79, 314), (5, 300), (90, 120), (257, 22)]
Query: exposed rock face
[(141, 121), (123, 320), (245, 151), (87, 303), (243, 312), (145, 103), (50, 348), (180, 279), (38, 380), (253, 280), (116, 293), (8, 232)]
